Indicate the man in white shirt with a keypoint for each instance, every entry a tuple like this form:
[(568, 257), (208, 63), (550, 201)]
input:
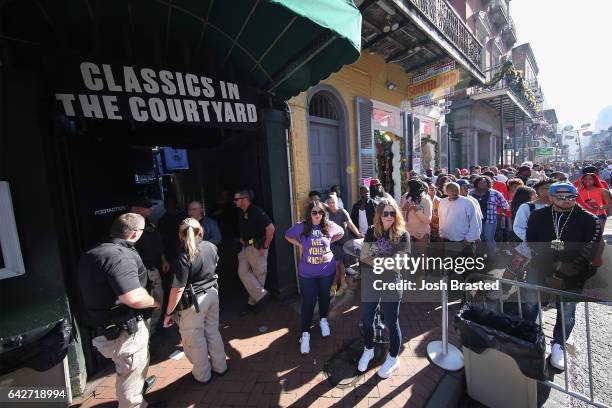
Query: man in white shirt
[(464, 189), (459, 221)]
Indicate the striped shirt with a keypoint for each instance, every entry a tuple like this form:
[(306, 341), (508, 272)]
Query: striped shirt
[(495, 199)]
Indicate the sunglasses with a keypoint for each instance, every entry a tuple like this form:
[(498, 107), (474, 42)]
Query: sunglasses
[(315, 213), (239, 198), (388, 214), (565, 197)]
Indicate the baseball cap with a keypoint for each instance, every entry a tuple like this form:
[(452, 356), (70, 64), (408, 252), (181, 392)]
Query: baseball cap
[(463, 182), (527, 164), (465, 172), (143, 202), (375, 182), (589, 169), (562, 187)]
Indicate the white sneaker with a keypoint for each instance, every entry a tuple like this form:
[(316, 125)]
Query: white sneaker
[(351, 271), (324, 327), (391, 364), (305, 343), (557, 359), (366, 357)]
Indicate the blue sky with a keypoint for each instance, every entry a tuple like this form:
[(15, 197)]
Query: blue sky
[(572, 43)]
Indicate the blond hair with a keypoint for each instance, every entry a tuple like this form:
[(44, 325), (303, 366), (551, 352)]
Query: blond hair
[(399, 225), (189, 232)]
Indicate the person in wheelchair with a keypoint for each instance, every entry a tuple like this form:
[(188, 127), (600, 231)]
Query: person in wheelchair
[(386, 238)]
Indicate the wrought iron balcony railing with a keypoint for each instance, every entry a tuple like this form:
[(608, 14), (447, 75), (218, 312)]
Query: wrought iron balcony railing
[(498, 10), (509, 33), (446, 20), (509, 85)]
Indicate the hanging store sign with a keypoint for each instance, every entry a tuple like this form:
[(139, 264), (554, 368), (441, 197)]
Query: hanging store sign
[(161, 96), (544, 151), (433, 83)]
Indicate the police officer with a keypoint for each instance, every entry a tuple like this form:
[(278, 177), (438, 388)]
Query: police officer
[(194, 297), (151, 249), (256, 233), (112, 281)]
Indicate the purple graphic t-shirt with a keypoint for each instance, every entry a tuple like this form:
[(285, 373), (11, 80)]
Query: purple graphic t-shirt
[(317, 257)]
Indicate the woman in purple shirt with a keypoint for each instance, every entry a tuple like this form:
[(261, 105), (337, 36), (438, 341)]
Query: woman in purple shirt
[(317, 266)]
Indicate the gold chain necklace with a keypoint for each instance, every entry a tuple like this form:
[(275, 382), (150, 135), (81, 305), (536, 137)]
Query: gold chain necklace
[(557, 244)]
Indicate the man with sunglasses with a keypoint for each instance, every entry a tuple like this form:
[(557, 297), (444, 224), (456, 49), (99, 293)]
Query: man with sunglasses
[(564, 239), (256, 233)]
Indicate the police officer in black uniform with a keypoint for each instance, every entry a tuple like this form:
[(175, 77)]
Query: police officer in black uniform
[(151, 249), (112, 280), (256, 234)]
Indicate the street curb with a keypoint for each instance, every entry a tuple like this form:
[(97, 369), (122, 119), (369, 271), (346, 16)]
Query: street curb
[(449, 391)]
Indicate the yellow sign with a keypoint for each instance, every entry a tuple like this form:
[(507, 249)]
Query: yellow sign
[(435, 82)]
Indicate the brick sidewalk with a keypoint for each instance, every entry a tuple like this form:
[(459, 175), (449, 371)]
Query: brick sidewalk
[(267, 370)]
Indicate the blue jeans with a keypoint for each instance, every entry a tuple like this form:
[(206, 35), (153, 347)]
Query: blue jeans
[(530, 312), (390, 311), (488, 236), (314, 289)]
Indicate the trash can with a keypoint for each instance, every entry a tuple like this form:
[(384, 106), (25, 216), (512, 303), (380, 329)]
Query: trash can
[(504, 357)]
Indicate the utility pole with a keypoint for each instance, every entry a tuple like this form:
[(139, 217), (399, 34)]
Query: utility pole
[(501, 127)]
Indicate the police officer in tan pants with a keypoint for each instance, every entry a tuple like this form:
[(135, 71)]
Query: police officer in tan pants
[(194, 303), (112, 281), (256, 233)]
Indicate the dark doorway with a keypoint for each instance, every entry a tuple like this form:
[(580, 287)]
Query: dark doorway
[(106, 164)]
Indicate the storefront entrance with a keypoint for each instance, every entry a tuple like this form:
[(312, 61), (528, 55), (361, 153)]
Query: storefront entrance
[(107, 164)]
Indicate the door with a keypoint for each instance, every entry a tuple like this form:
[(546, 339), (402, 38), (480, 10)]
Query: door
[(455, 153), (324, 148)]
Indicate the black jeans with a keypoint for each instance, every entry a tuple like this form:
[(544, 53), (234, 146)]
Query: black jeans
[(314, 289), (390, 311)]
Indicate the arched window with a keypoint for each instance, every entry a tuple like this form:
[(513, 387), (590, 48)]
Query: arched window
[(321, 106)]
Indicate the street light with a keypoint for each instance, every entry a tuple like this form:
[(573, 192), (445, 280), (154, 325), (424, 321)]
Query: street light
[(584, 126)]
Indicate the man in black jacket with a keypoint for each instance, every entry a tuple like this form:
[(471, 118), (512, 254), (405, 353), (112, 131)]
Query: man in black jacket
[(564, 238), (362, 213)]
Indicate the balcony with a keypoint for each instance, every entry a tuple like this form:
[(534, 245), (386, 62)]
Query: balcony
[(444, 26), (508, 93), (498, 13), (509, 34)]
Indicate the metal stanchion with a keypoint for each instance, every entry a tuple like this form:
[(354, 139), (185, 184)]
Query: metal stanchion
[(441, 353)]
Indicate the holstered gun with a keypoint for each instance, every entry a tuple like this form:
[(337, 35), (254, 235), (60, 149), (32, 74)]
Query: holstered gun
[(193, 297)]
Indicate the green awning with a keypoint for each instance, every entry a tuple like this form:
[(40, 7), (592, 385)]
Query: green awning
[(288, 45), (282, 46)]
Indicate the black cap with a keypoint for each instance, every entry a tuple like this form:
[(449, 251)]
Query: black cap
[(143, 202), (589, 169)]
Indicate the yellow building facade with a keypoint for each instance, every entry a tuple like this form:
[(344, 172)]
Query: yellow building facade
[(369, 78)]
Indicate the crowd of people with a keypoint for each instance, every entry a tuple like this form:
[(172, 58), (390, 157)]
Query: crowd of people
[(476, 208)]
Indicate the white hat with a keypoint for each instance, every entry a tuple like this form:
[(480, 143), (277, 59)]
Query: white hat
[(609, 166), (527, 164), (502, 178)]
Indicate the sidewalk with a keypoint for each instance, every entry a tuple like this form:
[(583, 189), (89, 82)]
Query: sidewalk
[(267, 370)]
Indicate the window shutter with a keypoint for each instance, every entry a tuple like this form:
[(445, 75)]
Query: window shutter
[(407, 135), (444, 147), (365, 138), (416, 145)]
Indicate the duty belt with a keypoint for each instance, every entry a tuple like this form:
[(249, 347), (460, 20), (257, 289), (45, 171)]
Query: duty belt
[(112, 331)]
